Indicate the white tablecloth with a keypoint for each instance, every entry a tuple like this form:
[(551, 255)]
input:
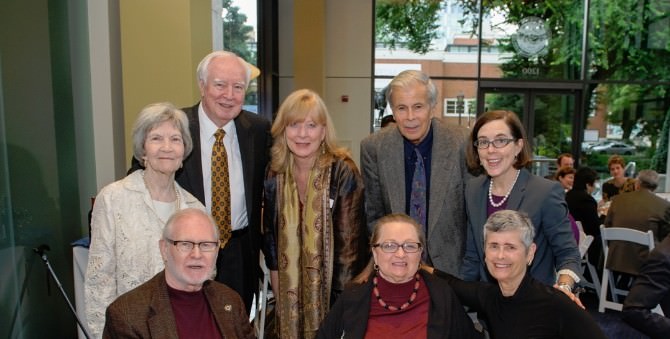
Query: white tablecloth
[(80, 261)]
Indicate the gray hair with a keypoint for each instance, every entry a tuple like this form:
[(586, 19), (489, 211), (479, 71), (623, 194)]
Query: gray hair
[(203, 67), (648, 179), (153, 115), (409, 77), (509, 220), (169, 225)]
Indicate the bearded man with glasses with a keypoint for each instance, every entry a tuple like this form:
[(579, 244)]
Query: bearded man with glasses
[(182, 300)]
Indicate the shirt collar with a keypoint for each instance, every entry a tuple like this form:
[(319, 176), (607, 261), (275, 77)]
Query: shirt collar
[(208, 128)]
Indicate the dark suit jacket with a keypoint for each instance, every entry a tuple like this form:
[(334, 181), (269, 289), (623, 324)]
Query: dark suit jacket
[(584, 208), (446, 317), (640, 210), (544, 202), (384, 177), (253, 136), (145, 312), (652, 287)]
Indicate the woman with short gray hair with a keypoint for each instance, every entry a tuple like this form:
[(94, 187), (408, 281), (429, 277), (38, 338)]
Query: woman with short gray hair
[(129, 215), (519, 306)]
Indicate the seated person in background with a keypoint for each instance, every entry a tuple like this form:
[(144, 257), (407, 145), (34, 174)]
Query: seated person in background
[(388, 121), (563, 160), (519, 306), (584, 208), (393, 296), (566, 176), (181, 301), (652, 287), (619, 182), (640, 210)]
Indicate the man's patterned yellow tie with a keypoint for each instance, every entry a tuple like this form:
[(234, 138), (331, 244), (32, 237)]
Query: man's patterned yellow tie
[(221, 188)]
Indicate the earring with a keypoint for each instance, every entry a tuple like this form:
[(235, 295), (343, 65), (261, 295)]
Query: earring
[(376, 267), (323, 148)]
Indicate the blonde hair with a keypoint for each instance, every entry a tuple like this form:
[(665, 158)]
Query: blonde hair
[(297, 107)]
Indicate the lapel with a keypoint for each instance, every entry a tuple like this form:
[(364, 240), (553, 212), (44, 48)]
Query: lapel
[(245, 139), (518, 191), (358, 310), (161, 320), (191, 174), (442, 154), (392, 166), (221, 309), (480, 185)]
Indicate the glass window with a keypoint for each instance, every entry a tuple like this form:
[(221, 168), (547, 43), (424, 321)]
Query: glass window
[(237, 31), (629, 40), (530, 59)]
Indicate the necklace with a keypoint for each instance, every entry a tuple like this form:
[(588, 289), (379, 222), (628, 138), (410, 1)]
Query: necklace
[(411, 299), (176, 193), (506, 195)]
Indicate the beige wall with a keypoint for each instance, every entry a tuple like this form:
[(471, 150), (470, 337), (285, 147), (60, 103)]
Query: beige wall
[(346, 62), (161, 45)]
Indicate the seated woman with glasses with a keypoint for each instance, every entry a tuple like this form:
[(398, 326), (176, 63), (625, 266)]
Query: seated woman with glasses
[(393, 296), (518, 305), (499, 148)]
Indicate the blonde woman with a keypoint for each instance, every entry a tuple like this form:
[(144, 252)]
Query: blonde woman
[(314, 222)]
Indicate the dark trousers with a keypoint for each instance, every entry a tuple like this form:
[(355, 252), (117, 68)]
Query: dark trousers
[(235, 269)]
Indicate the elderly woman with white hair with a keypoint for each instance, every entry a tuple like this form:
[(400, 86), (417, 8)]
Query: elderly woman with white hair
[(519, 306), (129, 215)]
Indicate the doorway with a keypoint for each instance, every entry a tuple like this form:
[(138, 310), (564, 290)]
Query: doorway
[(551, 114)]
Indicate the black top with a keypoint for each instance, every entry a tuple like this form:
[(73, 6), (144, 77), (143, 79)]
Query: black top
[(584, 208), (534, 311)]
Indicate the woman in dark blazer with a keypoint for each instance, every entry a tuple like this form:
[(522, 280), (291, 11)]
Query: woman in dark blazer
[(499, 147), (394, 295)]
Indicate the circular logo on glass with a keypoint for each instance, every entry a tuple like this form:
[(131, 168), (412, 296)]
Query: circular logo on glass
[(532, 37)]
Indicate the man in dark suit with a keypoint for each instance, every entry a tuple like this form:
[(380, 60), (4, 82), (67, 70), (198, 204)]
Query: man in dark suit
[(389, 163), (181, 301), (641, 210), (223, 78), (651, 288)]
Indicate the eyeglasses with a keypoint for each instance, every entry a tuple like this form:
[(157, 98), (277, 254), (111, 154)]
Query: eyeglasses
[(392, 247), (497, 143), (187, 246)]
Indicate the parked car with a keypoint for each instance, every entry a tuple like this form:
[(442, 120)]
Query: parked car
[(613, 148)]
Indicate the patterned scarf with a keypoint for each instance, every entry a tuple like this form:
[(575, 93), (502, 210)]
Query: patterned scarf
[(305, 246)]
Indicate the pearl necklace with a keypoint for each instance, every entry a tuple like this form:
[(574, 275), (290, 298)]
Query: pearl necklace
[(411, 299), (176, 192), (506, 195)]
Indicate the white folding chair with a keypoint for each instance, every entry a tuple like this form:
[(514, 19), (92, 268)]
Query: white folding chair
[(585, 242), (261, 302), (620, 234)]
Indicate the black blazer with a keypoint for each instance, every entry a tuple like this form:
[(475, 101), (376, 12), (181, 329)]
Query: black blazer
[(584, 208)]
